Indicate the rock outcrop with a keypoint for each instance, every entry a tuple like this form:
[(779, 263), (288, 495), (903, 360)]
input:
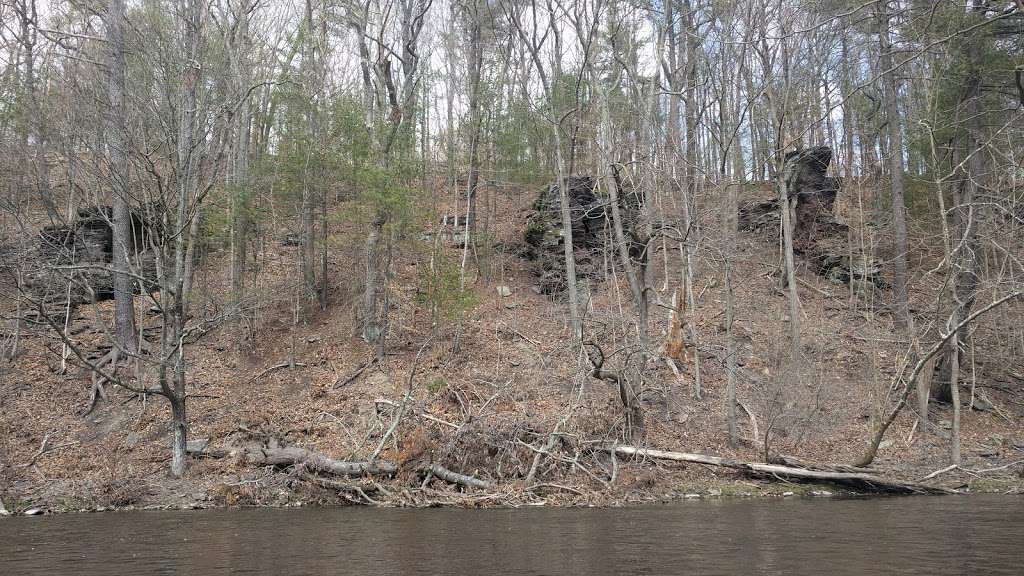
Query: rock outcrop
[(591, 223), (74, 260), (818, 237)]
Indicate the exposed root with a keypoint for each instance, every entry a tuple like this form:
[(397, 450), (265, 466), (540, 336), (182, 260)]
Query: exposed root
[(99, 378)]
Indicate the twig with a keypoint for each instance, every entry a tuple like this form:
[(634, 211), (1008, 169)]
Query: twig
[(358, 372), (940, 471), (45, 447), (553, 485), (274, 369), (422, 413)]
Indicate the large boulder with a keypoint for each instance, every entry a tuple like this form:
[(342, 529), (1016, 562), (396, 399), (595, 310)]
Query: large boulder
[(591, 223)]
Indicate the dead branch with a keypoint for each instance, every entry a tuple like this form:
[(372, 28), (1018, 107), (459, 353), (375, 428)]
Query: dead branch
[(949, 468), (45, 447), (857, 479), (275, 368), (315, 461), (341, 383), (456, 478), (343, 488)]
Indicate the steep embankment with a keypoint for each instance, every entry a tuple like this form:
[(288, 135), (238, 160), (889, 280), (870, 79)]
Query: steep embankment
[(490, 390)]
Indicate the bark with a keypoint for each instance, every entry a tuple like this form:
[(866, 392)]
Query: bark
[(371, 331), (238, 172), (123, 239), (315, 461), (859, 480), (179, 434), (899, 210)]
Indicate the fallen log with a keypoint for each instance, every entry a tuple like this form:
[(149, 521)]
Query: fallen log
[(344, 489), (315, 461), (860, 480), (456, 478)]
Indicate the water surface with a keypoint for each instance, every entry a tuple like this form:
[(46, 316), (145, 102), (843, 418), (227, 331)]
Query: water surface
[(951, 535)]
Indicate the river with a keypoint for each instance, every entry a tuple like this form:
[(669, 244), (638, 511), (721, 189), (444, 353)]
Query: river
[(913, 535)]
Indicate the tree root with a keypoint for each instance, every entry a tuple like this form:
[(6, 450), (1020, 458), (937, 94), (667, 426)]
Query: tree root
[(99, 378)]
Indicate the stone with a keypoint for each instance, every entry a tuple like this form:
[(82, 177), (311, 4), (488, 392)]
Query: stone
[(88, 241), (818, 237), (504, 291), (591, 223), (33, 512)]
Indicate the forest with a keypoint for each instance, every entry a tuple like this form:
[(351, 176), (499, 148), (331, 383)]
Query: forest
[(506, 252)]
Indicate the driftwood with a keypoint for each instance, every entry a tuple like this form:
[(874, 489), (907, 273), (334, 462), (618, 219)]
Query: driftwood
[(860, 480), (315, 461)]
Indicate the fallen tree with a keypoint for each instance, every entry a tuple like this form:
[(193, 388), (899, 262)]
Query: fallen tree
[(315, 461), (859, 480), (309, 463)]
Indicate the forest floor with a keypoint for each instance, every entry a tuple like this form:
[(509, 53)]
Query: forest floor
[(488, 390)]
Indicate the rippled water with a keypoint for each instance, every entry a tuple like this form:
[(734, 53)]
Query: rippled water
[(919, 535)]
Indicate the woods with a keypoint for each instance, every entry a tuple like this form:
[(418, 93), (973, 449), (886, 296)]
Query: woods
[(478, 243)]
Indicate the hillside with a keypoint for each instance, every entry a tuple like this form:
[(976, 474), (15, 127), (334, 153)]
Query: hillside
[(489, 389)]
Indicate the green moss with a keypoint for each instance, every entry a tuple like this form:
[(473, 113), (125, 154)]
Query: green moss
[(534, 233)]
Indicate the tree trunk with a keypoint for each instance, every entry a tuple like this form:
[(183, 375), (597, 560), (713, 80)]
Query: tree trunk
[(785, 179), (124, 244), (904, 323), (965, 260)]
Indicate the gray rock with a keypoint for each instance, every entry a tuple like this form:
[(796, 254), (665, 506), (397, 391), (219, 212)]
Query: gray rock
[(504, 291)]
